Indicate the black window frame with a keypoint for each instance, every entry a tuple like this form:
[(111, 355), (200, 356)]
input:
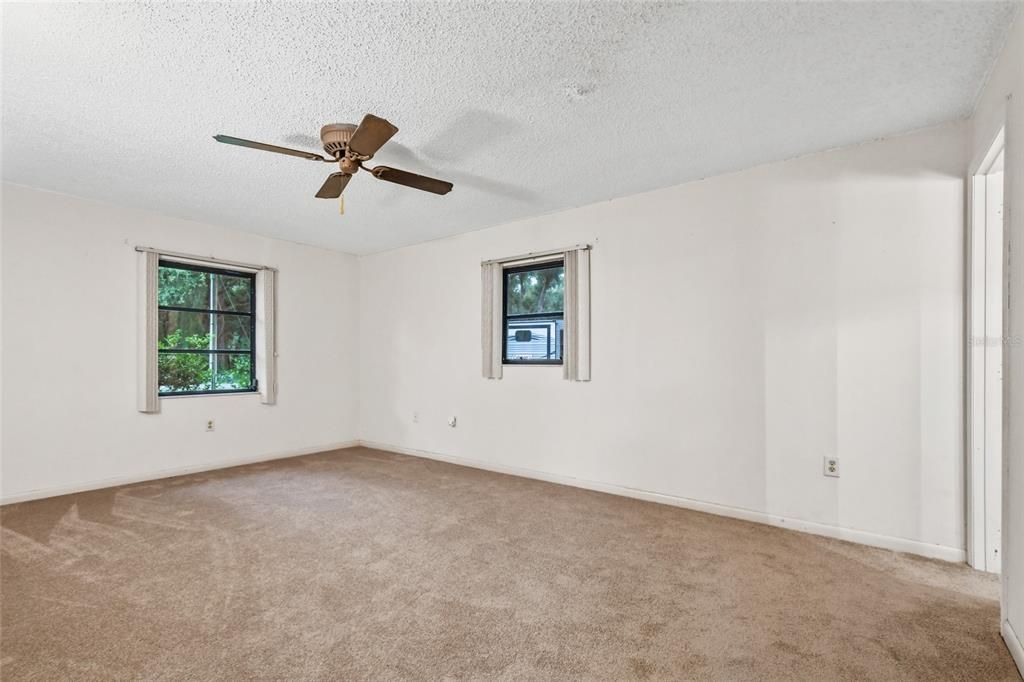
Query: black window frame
[(251, 313), (505, 317)]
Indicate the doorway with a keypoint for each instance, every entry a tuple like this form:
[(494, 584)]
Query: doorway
[(987, 296)]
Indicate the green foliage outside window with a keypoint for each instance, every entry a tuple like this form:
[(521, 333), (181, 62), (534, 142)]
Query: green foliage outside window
[(536, 291), (195, 371)]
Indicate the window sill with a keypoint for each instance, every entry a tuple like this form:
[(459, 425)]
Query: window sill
[(531, 364), (207, 395)]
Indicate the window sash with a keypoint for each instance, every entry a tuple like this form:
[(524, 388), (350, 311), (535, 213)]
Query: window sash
[(251, 314), (206, 351), (536, 316), (215, 311)]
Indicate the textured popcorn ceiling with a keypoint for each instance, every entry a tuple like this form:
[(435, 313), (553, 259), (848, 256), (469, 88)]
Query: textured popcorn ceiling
[(527, 107)]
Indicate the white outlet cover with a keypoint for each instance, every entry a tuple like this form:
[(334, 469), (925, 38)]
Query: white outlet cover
[(831, 467)]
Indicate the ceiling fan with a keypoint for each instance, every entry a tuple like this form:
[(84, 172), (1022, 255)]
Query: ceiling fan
[(350, 147)]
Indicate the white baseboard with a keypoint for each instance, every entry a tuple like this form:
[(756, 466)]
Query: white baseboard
[(896, 544), (1014, 644), (41, 493)]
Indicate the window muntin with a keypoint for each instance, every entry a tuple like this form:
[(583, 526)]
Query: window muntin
[(533, 298), (206, 327)]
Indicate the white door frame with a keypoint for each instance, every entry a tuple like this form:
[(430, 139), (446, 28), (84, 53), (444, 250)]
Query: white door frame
[(983, 354)]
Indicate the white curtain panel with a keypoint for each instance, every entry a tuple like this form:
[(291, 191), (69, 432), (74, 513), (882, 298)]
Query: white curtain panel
[(146, 391), (576, 359), (490, 319), (266, 346)]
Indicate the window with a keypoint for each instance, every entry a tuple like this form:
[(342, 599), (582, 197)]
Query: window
[(206, 328), (533, 303)]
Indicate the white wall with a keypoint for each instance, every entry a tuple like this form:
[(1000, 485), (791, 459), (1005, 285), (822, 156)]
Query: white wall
[(744, 327), (68, 395), (1002, 104)]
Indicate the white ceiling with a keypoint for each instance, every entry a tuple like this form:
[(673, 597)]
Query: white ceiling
[(528, 107)]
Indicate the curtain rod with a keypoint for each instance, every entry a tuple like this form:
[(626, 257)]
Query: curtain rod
[(203, 259), (537, 254)]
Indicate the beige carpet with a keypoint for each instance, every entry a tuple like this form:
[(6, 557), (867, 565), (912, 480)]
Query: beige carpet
[(360, 564)]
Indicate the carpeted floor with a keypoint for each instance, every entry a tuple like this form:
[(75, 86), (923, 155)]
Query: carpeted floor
[(361, 564)]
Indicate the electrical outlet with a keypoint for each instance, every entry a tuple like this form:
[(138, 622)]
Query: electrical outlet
[(451, 421), (209, 425), (832, 467), (415, 417)]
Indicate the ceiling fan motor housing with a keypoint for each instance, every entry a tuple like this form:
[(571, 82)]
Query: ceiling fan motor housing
[(335, 137)]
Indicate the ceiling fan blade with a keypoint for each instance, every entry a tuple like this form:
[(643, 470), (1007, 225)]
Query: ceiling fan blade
[(408, 179), (333, 186), (371, 135), (227, 139)]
